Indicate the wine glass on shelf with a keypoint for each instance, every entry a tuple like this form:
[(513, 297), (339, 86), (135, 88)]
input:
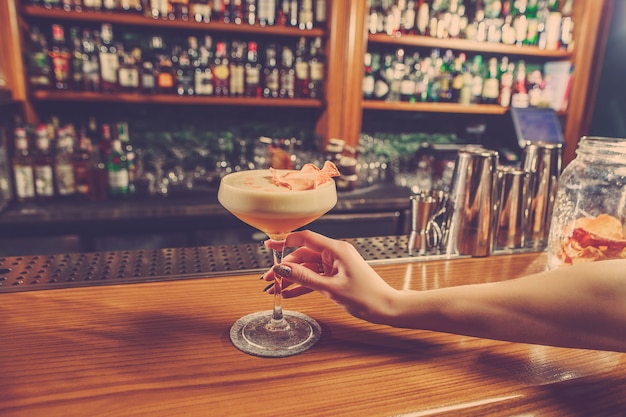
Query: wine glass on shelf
[(253, 198)]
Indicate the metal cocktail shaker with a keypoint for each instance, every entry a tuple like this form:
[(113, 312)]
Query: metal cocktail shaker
[(513, 201), (470, 212), (543, 162)]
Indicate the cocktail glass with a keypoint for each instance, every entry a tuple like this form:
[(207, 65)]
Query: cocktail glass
[(251, 197)]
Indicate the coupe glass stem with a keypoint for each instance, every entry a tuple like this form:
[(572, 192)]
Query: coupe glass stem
[(278, 322)]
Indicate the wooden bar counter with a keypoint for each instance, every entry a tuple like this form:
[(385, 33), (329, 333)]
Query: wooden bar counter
[(162, 349)]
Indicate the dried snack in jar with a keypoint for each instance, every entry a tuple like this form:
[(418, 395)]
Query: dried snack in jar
[(594, 239)]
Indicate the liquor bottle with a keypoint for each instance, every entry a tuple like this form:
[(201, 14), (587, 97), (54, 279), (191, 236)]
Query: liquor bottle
[(159, 9), (458, 77), (43, 164), (408, 81), (99, 186), (266, 12), (506, 85), (203, 73), (38, 69), (395, 75), (293, 13), (23, 174), (184, 75), (109, 5), (287, 74), (301, 67), (250, 12), (179, 9), (61, 58), (381, 83), (532, 26), (165, 76), (320, 13), (519, 96), (200, 10), (237, 12), (105, 141), (407, 17), (78, 76), (148, 78), (81, 163), (135, 6), (491, 84), (445, 77), (252, 72), (316, 69), (368, 77), (271, 77), (109, 60), (217, 10), (128, 150), (221, 71), (128, 74), (553, 26), (282, 13), (117, 169), (63, 163), (90, 63), (93, 5), (567, 26), (237, 70), (228, 11), (477, 79), (422, 20), (305, 15)]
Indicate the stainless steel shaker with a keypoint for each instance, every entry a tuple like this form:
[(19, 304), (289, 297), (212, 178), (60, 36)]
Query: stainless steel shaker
[(543, 161), (512, 204), (470, 212)]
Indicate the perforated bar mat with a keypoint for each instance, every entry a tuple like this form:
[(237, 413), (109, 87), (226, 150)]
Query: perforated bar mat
[(30, 273)]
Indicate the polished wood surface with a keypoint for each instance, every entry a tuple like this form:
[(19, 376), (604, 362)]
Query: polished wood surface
[(162, 349)]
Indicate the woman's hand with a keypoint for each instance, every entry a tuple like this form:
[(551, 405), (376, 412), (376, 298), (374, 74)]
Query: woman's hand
[(335, 269)]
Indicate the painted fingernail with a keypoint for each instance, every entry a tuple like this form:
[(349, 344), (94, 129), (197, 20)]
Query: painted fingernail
[(266, 289), (282, 270), (262, 277)]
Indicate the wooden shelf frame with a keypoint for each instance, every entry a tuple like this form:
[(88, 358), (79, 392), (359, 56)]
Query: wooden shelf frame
[(84, 96), (136, 19)]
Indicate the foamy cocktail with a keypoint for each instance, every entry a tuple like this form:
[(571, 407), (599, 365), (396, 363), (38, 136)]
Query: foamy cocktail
[(278, 202), (255, 198)]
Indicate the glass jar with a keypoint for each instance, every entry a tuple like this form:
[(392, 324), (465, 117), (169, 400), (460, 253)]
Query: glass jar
[(589, 216)]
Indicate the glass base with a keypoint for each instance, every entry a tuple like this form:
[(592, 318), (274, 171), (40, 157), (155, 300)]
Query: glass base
[(251, 334)]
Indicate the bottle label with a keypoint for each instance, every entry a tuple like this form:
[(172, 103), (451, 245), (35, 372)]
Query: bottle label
[(317, 71), (221, 72), (491, 88), (302, 70), (109, 64), (44, 181), (129, 77), (204, 83), (166, 80), (24, 181), (237, 80), (65, 179), (118, 181), (253, 76)]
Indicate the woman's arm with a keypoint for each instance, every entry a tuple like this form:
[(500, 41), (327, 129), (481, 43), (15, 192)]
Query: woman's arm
[(582, 306)]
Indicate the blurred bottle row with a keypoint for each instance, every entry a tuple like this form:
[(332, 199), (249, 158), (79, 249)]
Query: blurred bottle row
[(96, 60), (546, 24), (447, 77), (303, 14)]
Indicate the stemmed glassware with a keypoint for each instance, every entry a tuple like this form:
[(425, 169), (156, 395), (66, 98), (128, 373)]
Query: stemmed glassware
[(251, 196)]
